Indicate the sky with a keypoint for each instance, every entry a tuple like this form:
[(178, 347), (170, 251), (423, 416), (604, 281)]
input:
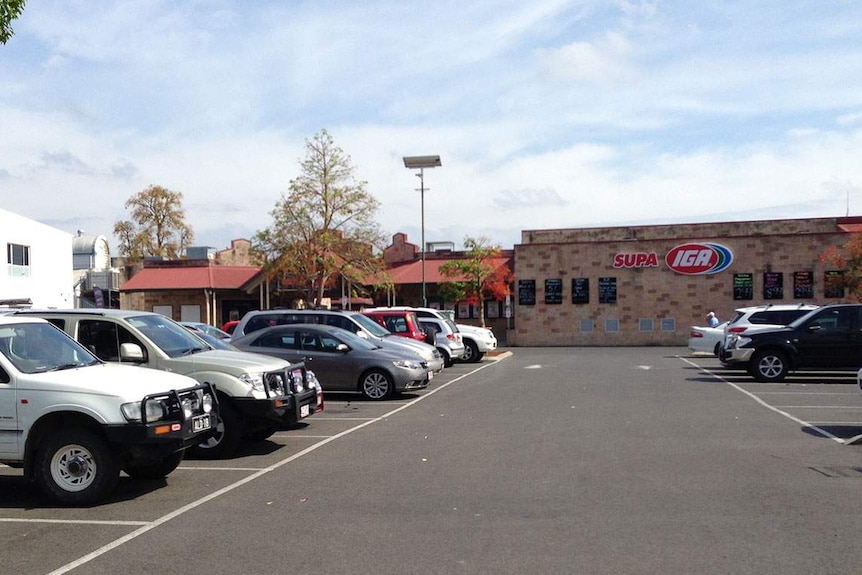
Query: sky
[(545, 114)]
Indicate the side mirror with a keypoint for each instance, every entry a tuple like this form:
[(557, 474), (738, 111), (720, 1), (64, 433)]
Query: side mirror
[(131, 352), (342, 347), (812, 327)]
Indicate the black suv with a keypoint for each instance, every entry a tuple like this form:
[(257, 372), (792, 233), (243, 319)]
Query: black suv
[(829, 337)]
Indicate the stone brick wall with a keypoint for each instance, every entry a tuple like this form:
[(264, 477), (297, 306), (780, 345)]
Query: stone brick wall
[(236, 255), (669, 301)]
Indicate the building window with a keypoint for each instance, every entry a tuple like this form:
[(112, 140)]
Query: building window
[(18, 260), (645, 324), (668, 324), (612, 325), (586, 326)]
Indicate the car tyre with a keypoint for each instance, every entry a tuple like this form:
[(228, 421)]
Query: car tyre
[(157, 470), (76, 467), (447, 359), (226, 438), (769, 365), (376, 385), (717, 349), (471, 352)]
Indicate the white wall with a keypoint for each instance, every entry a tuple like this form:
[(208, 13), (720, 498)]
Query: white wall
[(49, 282)]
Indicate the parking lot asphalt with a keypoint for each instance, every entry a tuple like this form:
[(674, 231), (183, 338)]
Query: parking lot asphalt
[(548, 460)]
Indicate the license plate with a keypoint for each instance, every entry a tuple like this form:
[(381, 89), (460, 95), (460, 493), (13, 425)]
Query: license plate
[(304, 410), (201, 422)]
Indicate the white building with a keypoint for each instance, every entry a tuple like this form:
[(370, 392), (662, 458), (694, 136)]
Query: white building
[(38, 264)]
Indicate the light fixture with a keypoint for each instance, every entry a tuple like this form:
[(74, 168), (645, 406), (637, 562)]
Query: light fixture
[(420, 163)]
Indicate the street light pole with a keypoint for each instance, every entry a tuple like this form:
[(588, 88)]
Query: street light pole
[(420, 163), (422, 202)]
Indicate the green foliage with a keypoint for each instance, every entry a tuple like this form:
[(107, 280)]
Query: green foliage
[(325, 226), (157, 227), (9, 10), (475, 278)]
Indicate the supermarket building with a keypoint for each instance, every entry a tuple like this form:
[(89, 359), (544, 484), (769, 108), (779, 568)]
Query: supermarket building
[(647, 285)]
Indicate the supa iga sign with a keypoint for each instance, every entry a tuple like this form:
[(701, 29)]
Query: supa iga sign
[(699, 258), (688, 259)]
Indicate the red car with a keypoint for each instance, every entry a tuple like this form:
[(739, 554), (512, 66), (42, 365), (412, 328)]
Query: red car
[(400, 322), (229, 326)]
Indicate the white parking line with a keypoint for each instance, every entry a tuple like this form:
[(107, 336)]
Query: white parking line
[(807, 393), (818, 406), (344, 418), (149, 526), (72, 521), (801, 422)]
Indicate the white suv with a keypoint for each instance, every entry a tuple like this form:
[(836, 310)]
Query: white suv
[(759, 318), (72, 422)]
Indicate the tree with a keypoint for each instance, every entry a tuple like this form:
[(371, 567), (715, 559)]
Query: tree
[(324, 227), (157, 227), (848, 260), (9, 10), (477, 278)]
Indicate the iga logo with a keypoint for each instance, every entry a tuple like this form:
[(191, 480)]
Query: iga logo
[(699, 259)]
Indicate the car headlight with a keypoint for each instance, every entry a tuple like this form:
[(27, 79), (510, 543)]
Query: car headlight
[(207, 403), (406, 364), (277, 384), (156, 410), (255, 380)]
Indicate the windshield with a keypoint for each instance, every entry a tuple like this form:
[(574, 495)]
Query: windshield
[(40, 347), (370, 325), (167, 335)]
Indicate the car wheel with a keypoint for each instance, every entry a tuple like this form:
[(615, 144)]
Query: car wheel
[(769, 365), (156, 470), (447, 359), (717, 349), (376, 385), (225, 440), (76, 467), (471, 352)]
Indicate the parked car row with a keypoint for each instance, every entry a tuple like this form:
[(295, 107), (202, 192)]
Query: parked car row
[(769, 342), (48, 402), (448, 336), (77, 405), (745, 320)]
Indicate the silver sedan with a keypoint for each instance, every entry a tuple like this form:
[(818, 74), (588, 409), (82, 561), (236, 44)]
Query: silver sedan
[(341, 360)]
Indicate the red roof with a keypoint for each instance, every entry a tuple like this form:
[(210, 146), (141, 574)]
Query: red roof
[(198, 277), (411, 272)]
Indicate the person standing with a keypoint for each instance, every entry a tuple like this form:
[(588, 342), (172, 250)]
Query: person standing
[(711, 319)]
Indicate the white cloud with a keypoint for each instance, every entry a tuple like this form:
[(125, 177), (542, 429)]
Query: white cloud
[(553, 113)]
